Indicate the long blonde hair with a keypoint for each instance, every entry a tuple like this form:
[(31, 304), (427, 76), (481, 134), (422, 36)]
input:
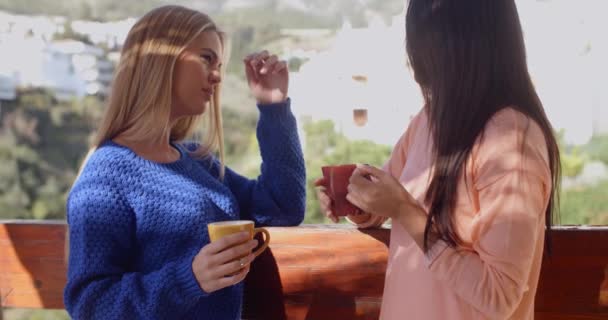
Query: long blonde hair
[(139, 105)]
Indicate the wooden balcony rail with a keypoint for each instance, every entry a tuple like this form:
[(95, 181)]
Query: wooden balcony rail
[(316, 272)]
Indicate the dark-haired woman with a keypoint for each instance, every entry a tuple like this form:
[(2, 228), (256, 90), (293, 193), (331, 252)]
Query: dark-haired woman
[(470, 186)]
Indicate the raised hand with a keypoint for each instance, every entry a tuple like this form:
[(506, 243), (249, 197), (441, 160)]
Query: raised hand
[(267, 76)]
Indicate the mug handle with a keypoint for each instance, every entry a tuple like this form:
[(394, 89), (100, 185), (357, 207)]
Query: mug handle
[(266, 240)]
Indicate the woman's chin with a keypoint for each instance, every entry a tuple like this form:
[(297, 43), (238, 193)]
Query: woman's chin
[(200, 109), (194, 110)]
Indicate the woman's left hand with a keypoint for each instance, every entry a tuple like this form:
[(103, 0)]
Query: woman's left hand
[(377, 192), (267, 76)]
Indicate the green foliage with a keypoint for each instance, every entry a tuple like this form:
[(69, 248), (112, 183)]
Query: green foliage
[(31, 314), (573, 159), (598, 148), (241, 147), (37, 99), (573, 162), (42, 143), (585, 205), (70, 34)]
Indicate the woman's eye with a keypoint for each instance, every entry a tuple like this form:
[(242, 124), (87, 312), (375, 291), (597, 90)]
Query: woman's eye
[(207, 58)]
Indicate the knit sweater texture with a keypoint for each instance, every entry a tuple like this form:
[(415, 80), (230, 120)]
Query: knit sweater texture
[(136, 225)]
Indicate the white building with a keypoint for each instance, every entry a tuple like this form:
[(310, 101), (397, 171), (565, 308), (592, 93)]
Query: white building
[(8, 86), (32, 60), (567, 57), (89, 64), (111, 34), (66, 68), (326, 86), (30, 64), (42, 27)]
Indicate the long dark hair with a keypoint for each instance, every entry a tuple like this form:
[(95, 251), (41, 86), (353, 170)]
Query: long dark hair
[(469, 59)]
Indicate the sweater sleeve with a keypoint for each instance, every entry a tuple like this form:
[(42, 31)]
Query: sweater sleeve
[(278, 196), (100, 285), (512, 182)]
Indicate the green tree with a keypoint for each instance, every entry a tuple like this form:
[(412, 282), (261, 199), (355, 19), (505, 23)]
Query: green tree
[(573, 158), (30, 314), (70, 34), (598, 148), (42, 143), (585, 205)]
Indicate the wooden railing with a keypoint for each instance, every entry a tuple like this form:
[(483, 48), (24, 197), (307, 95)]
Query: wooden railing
[(316, 272)]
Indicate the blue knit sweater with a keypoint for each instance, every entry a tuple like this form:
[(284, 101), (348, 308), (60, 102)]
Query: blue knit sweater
[(136, 225)]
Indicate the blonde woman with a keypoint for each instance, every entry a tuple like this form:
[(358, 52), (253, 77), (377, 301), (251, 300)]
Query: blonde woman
[(138, 212)]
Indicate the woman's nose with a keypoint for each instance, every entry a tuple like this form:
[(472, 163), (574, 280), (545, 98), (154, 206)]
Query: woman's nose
[(215, 77)]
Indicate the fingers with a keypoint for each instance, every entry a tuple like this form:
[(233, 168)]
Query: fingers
[(357, 201), (268, 64), (359, 184), (326, 210), (324, 198), (256, 59), (232, 280), (273, 65), (326, 204), (234, 253), (232, 267), (259, 59), (264, 63), (224, 262), (252, 64), (249, 71), (280, 67), (359, 190), (321, 182), (355, 191), (331, 216), (365, 170)]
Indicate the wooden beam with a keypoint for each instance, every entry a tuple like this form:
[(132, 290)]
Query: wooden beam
[(574, 280), (32, 270), (316, 272)]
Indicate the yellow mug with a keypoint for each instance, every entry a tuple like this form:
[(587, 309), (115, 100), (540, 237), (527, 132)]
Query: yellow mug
[(218, 230)]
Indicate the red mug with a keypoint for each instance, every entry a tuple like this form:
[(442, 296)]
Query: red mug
[(335, 180)]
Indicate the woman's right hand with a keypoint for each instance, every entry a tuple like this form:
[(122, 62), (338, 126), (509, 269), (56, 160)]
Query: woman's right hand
[(325, 200), (267, 76), (217, 265)]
